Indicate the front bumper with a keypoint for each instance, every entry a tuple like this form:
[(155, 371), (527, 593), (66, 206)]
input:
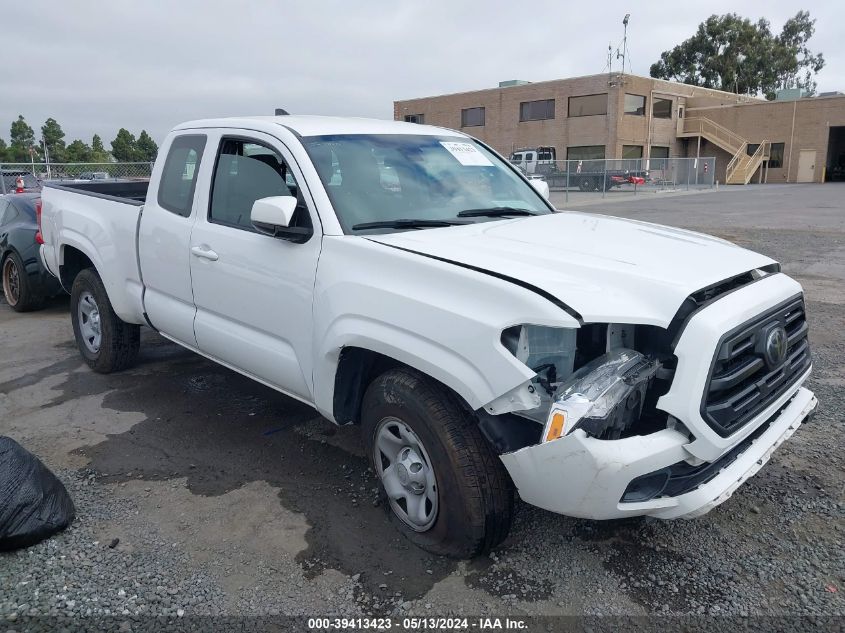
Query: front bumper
[(585, 477), (582, 476)]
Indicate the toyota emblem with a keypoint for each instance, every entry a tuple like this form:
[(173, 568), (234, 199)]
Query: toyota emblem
[(776, 347)]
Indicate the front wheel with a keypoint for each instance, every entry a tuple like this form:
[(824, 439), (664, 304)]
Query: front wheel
[(105, 341), (446, 489)]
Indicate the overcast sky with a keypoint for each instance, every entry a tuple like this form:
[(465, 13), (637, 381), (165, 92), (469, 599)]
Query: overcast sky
[(99, 66)]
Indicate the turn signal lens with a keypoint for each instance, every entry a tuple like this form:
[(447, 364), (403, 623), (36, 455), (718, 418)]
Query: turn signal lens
[(556, 426)]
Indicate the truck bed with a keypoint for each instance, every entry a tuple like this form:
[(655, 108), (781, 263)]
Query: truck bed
[(100, 220), (129, 191)]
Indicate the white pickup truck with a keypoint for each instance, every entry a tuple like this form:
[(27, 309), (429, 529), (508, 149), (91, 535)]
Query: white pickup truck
[(408, 279)]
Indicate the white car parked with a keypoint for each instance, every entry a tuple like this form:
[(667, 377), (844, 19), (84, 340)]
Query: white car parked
[(408, 279)]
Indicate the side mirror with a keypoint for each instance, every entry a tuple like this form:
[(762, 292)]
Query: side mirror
[(270, 213), (272, 216), (541, 186)]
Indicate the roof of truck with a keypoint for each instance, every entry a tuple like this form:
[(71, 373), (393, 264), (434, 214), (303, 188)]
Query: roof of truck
[(310, 125)]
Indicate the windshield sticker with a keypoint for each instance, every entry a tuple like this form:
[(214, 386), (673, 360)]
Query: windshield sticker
[(467, 154)]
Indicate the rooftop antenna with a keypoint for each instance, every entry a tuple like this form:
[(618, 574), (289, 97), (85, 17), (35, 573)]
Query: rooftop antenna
[(624, 42), (609, 59)]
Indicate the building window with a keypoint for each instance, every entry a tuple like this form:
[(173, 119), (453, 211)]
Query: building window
[(537, 110), (585, 152), (635, 104), (414, 118), (588, 105), (776, 156), (659, 158), (775, 153), (632, 151), (661, 108), (472, 117)]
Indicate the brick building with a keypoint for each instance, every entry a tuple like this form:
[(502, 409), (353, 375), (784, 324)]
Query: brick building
[(626, 116)]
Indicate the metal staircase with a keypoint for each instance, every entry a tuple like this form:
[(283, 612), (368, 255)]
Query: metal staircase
[(742, 166)]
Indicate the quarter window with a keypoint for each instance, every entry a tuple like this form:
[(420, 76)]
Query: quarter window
[(537, 110), (246, 172), (472, 117), (179, 177)]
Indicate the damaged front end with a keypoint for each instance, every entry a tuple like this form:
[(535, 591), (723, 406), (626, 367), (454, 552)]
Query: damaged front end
[(589, 412), (589, 379)]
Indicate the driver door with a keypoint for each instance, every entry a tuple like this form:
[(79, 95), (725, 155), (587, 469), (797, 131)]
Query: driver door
[(254, 293)]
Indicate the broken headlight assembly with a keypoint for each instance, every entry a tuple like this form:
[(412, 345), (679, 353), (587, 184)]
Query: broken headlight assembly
[(604, 397)]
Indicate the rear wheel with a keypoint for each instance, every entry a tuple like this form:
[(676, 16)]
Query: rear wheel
[(447, 491), (16, 286), (105, 341), (586, 184)]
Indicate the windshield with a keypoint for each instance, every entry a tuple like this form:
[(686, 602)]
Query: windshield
[(392, 177)]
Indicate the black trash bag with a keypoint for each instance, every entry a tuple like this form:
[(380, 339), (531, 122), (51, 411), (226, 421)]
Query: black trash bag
[(33, 502)]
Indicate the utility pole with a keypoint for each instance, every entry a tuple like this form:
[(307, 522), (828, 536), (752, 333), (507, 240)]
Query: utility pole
[(46, 156), (624, 41)]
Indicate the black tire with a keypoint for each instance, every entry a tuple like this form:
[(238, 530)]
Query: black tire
[(586, 184), (17, 289), (119, 341), (475, 493)]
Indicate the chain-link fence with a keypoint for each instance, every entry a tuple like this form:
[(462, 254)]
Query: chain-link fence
[(632, 176), (35, 174)]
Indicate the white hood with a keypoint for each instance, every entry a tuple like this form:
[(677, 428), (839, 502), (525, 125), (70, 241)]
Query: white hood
[(606, 269)]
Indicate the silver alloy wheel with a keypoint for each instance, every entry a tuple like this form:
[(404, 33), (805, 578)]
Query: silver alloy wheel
[(407, 474), (89, 322), (11, 282)]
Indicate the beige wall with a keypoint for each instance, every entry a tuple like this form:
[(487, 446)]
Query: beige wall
[(799, 124), (753, 119), (505, 132)]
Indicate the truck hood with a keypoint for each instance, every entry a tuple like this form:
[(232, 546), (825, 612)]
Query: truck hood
[(606, 269)]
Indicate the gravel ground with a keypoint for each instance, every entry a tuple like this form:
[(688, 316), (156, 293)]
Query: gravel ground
[(228, 499)]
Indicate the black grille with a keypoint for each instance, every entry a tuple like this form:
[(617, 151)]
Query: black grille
[(743, 381)]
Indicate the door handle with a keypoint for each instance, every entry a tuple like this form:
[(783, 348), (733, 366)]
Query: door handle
[(205, 253)]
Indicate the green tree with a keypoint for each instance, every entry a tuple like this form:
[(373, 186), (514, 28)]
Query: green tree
[(732, 53), (54, 136), (22, 140), (78, 152), (98, 152), (146, 146), (124, 146), (4, 149)]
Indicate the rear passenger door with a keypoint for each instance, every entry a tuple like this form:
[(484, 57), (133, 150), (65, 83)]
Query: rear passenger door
[(254, 292), (164, 237)]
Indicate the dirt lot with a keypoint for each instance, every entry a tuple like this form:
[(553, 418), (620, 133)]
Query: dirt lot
[(226, 498)]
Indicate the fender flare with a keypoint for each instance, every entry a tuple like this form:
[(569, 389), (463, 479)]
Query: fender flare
[(423, 354)]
